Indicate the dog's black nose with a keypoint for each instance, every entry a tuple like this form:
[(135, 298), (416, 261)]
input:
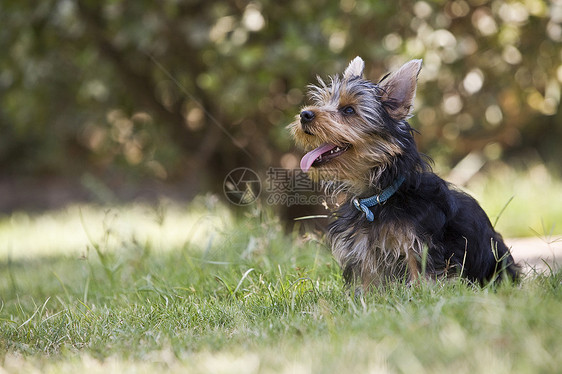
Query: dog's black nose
[(306, 116)]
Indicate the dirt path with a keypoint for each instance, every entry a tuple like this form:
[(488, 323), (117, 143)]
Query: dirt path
[(536, 253)]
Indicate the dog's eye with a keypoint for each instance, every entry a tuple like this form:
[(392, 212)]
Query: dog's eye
[(348, 110)]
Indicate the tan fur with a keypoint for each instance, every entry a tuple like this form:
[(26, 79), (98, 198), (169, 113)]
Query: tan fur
[(353, 167), (368, 147), (387, 251), (413, 266), (390, 252)]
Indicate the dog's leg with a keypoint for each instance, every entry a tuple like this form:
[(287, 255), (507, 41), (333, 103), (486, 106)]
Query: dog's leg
[(413, 266)]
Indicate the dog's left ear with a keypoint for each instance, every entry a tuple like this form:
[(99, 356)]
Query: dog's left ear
[(399, 90), (355, 68)]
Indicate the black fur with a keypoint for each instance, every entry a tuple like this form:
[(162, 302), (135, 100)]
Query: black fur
[(427, 225), (457, 234)]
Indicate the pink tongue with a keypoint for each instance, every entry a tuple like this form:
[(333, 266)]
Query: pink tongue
[(308, 159)]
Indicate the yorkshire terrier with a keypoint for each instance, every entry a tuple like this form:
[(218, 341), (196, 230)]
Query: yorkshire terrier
[(399, 219)]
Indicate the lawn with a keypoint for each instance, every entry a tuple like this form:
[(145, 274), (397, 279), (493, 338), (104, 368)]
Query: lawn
[(195, 288)]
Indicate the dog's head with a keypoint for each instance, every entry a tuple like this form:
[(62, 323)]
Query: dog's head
[(356, 128)]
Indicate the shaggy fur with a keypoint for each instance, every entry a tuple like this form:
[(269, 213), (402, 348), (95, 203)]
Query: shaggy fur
[(358, 135)]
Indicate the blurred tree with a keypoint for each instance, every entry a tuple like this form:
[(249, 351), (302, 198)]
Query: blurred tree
[(180, 89)]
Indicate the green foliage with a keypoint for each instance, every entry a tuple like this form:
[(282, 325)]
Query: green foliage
[(177, 88), (242, 296)]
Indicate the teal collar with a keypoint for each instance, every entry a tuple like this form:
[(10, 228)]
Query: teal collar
[(363, 205)]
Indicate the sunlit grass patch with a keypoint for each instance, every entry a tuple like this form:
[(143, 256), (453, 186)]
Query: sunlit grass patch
[(195, 288), (72, 230), (527, 202)]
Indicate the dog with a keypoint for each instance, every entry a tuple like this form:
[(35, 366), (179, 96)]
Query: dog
[(399, 220)]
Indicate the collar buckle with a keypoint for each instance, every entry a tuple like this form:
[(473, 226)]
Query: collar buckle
[(363, 205)]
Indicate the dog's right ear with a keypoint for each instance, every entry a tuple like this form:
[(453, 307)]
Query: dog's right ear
[(355, 68)]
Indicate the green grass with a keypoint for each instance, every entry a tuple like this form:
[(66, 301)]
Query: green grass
[(195, 289), (524, 203)]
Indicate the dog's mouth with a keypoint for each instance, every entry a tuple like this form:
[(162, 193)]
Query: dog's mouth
[(321, 155)]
